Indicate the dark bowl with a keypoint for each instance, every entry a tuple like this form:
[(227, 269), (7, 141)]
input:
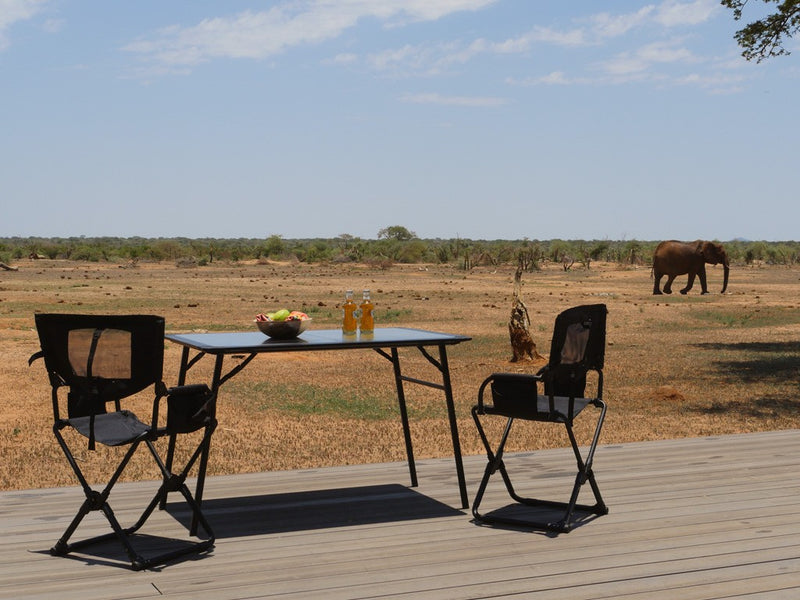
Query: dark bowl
[(283, 330)]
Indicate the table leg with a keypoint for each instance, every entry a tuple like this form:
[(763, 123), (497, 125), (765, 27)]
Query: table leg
[(451, 413), (184, 366), (401, 399)]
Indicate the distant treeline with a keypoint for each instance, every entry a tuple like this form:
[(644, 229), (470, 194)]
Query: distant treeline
[(393, 245)]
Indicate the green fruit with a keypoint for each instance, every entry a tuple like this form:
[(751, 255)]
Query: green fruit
[(280, 315)]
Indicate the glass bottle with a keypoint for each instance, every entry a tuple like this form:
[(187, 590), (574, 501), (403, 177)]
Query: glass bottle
[(367, 321), (349, 314)]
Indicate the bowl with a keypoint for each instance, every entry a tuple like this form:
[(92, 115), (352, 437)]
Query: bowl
[(283, 330)]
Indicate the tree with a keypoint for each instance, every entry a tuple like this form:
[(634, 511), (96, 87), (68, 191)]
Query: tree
[(396, 232), (519, 324), (764, 38), (273, 246), (345, 239)]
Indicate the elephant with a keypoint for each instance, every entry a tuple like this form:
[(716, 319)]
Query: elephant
[(673, 258)]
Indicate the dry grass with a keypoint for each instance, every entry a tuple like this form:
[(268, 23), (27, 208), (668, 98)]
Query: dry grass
[(676, 366)]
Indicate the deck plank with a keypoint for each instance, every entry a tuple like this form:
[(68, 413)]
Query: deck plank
[(692, 519)]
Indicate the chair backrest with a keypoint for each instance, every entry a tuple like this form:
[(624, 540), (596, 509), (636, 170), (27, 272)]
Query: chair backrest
[(578, 346), (101, 358)]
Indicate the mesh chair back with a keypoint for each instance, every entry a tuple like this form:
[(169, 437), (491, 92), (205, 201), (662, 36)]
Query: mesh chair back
[(102, 358), (578, 346)]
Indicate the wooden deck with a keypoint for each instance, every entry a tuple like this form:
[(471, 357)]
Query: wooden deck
[(696, 518)]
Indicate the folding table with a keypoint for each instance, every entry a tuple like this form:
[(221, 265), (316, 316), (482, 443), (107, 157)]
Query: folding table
[(385, 341)]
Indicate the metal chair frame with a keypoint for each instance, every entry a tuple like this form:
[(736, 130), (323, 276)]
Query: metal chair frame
[(122, 428), (521, 399)]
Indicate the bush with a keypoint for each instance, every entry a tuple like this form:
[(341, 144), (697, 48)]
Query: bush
[(389, 248)]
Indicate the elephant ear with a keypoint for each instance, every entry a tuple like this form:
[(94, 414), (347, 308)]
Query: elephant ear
[(712, 253), (701, 249)]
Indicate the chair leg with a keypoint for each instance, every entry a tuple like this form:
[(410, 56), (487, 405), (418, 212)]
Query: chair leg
[(200, 453), (495, 463), (170, 457), (62, 546), (96, 500), (585, 474), (175, 482)]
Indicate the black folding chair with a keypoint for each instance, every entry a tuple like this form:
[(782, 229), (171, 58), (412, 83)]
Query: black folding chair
[(577, 347), (101, 360)]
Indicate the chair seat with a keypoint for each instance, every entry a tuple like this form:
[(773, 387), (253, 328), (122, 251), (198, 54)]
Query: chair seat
[(540, 411), (111, 429)]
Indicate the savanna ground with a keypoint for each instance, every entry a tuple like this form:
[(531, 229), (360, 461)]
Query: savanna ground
[(676, 366)]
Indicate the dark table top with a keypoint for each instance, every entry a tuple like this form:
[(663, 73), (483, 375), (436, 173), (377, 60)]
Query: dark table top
[(248, 342)]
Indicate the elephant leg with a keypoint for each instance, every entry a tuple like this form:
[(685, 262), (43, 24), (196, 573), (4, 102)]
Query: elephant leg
[(689, 283), (702, 276), (668, 285), (657, 284)]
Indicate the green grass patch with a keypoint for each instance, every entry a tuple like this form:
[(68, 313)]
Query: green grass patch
[(768, 316), (392, 315), (321, 313), (306, 399), (344, 403), (224, 327)]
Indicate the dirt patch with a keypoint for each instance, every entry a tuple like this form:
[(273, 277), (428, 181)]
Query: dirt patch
[(667, 393)]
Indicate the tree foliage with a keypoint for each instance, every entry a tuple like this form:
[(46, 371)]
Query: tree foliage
[(397, 233), (764, 38)]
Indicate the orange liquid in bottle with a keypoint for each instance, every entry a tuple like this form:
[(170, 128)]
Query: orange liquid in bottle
[(367, 319), (349, 323)]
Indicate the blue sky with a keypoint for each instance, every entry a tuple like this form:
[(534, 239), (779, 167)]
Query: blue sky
[(482, 119)]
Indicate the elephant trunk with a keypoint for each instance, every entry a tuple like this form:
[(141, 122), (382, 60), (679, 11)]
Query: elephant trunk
[(725, 276)]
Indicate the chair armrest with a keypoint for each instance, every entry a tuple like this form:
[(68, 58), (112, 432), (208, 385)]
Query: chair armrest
[(518, 390), (187, 390)]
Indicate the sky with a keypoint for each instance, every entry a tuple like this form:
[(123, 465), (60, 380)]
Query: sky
[(477, 119)]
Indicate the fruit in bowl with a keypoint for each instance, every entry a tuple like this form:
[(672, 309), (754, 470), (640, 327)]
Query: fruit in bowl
[(283, 324)]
